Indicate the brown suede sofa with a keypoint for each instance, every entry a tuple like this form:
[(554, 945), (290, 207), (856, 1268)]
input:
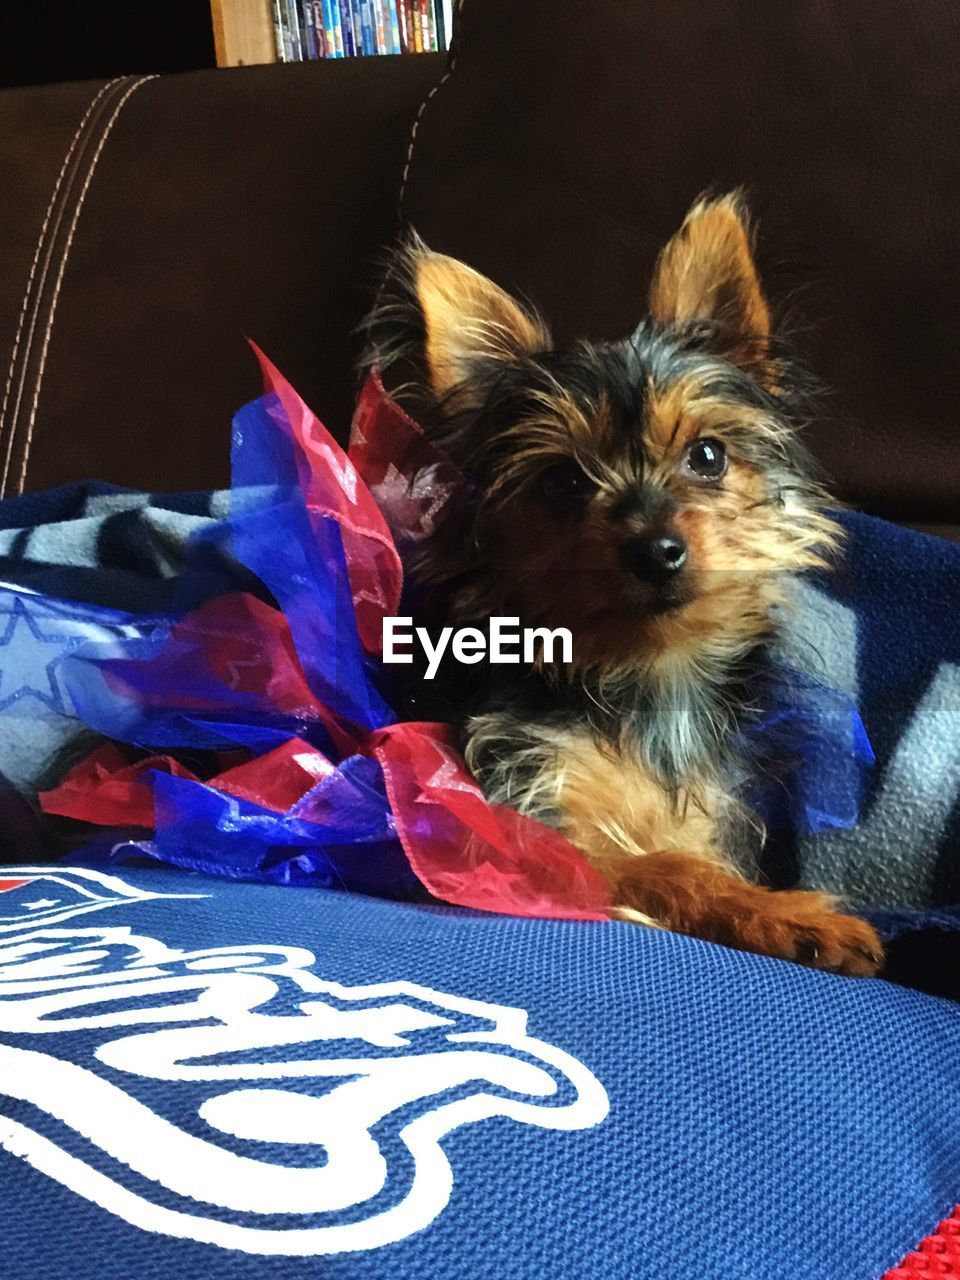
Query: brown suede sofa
[(150, 223)]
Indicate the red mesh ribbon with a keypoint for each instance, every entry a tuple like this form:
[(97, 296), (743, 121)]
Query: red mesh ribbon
[(470, 852), (230, 676), (332, 487), (412, 481), (107, 790)]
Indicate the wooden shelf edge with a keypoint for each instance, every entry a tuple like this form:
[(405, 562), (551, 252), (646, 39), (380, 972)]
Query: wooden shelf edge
[(243, 33)]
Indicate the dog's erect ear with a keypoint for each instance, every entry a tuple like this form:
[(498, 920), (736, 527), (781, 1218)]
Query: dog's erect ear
[(707, 273), (467, 318)]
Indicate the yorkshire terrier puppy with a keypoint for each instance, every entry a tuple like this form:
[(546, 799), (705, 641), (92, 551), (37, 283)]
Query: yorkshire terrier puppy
[(652, 496)]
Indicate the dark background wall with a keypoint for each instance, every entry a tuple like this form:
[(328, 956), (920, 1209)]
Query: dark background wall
[(44, 41)]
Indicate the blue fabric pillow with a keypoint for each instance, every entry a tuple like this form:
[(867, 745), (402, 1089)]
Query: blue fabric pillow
[(203, 1078)]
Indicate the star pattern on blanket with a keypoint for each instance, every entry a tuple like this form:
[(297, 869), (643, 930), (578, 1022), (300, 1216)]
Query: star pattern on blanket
[(19, 665)]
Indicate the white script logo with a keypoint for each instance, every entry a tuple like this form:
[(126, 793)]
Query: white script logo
[(327, 1104)]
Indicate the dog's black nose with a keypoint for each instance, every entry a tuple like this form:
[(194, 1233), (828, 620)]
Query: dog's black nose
[(656, 559)]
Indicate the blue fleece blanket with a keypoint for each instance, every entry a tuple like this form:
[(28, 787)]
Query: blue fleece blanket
[(885, 629)]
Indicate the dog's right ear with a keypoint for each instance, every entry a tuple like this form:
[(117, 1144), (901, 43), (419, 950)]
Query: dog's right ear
[(467, 319)]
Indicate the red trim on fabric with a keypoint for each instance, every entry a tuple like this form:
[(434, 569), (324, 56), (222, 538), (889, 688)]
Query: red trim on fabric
[(936, 1255)]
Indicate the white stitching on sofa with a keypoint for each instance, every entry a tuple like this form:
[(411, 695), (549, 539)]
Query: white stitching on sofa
[(451, 66), (33, 271), (62, 268)]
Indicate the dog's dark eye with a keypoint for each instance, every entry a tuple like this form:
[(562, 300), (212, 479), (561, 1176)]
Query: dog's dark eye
[(565, 482), (706, 459)]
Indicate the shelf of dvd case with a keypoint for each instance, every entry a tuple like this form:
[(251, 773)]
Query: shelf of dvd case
[(258, 31)]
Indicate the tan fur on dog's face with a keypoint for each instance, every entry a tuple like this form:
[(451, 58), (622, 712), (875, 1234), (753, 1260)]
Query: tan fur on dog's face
[(577, 457)]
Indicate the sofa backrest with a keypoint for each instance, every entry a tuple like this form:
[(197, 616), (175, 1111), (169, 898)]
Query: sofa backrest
[(568, 142), (150, 224)]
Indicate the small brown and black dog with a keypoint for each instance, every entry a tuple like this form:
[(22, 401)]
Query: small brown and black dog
[(651, 495)]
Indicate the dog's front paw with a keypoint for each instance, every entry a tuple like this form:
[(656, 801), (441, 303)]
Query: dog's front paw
[(806, 928), (690, 894)]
